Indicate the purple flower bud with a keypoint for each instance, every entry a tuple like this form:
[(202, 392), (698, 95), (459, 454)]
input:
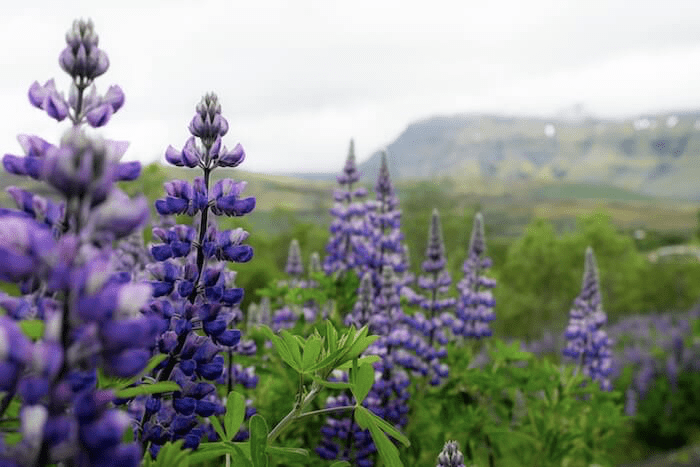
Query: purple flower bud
[(231, 158), (47, 98), (114, 97), (82, 59), (99, 116)]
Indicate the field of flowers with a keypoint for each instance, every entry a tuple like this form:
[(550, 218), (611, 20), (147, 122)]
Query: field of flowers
[(120, 351)]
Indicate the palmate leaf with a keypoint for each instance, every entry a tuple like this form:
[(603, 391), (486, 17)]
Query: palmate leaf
[(384, 425), (387, 451)]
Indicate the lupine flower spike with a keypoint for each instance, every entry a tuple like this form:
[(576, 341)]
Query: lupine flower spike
[(61, 255), (475, 304), (435, 282), (349, 230), (386, 247), (194, 293), (588, 343)]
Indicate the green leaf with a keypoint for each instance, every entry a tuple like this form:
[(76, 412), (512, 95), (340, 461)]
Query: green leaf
[(327, 360), (387, 451), (235, 413), (205, 455), (172, 454), (280, 346), (362, 382), (340, 464), (312, 349), (360, 361), (293, 347), (163, 386), (32, 328), (295, 454), (217, 427), (386, 426), (241, 459), (258, 441), (331, 337)]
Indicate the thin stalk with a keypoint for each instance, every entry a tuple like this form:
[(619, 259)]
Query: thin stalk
[(299, 406)]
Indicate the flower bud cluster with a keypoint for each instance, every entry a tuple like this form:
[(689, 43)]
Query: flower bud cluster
[(474, 310), (347, 247), (587, 342), (450, 456), (61, 255)]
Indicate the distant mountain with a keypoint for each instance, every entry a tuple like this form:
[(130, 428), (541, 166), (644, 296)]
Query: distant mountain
[(656, 155)]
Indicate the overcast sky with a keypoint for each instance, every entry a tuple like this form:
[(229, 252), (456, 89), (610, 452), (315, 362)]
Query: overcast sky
[(298, 78)]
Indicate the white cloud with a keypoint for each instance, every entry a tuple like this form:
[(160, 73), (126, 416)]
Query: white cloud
[(298, 79)]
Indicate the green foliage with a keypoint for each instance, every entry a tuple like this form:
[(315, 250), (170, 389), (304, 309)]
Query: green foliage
[(669, 417), (516, 410)]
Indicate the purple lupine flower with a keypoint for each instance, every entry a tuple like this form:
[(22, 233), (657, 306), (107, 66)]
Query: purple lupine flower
[(475, 304), (385, 247), (588, 343), (93, 317), (652, 345), (346, 248), (435, 281), (450, 456), (194, 291)]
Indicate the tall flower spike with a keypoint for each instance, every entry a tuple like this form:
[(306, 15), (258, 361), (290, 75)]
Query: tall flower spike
[(587, 342), (435, 282), (198, 299), (475, 304), (346, 248), (386, 248), (62, 256), (450, 456)]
